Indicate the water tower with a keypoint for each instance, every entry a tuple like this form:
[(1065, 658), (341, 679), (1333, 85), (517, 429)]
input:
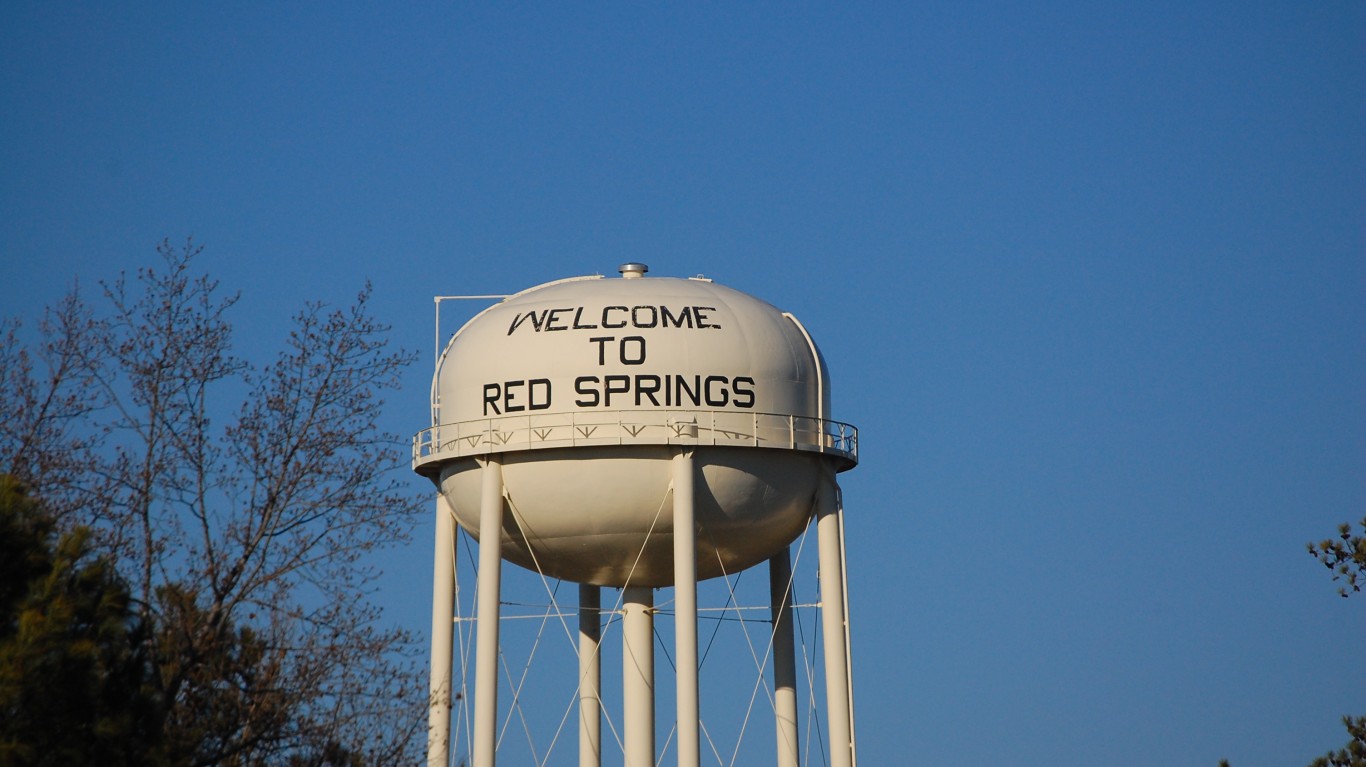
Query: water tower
[(636, 433)]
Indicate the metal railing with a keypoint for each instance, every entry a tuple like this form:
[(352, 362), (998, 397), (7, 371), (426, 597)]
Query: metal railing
[(583, 428)]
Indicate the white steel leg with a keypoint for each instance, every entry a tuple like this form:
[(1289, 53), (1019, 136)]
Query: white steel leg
[(590, 675), (685, 609), (784, 658), (833, 617), (443, 638), (486, 647), (638, 675)]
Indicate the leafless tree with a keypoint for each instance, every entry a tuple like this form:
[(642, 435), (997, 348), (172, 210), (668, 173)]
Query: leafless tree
[(244, 532)]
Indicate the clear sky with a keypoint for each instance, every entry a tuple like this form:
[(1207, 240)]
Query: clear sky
[(1090, 278)]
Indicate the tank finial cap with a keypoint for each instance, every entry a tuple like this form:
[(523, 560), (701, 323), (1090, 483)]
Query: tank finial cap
[(632, 271)]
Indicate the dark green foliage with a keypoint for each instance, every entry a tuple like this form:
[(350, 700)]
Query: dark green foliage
[(1345, 557), (25, 549), (1351, 755), (75, 686)]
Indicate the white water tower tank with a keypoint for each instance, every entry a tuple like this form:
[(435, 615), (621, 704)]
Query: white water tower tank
[(585, 388), (636, 433)]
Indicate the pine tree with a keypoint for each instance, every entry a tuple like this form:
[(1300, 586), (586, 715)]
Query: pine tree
[(75, 687)]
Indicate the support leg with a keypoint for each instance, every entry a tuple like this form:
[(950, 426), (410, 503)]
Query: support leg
[(830, 536), (638, 675), (486, 646), (784, 658), (443, 638), (590, 676), (685, 609)]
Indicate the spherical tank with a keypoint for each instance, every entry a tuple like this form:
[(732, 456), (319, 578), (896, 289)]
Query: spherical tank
[(584, 390)]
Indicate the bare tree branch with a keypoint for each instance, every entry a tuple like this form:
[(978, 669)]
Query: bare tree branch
[(244, 534)]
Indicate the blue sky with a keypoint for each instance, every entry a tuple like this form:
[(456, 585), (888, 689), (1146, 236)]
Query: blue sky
[(1091, 280)]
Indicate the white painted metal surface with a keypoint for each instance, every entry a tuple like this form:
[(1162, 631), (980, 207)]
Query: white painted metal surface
[(567, 417), (590, 675), (584, 385), (834, 627), (638, 675), (685, 607), (784, 658), (629, 344), (486, 645), (443, 637)]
